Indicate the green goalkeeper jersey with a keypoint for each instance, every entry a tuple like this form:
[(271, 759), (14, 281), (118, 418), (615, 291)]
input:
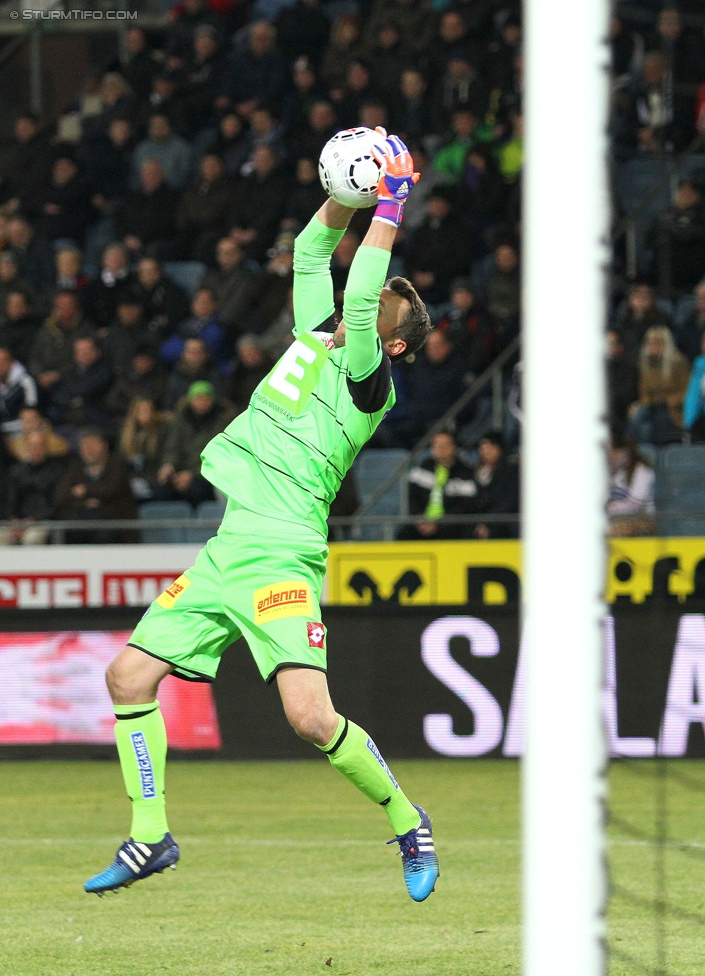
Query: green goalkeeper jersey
[(287, 454)]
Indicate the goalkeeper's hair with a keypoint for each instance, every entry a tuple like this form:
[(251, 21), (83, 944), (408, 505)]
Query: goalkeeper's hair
[(415, 327)]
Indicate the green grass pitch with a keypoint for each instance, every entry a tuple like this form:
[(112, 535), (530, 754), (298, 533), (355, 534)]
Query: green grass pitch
[(284, 871)]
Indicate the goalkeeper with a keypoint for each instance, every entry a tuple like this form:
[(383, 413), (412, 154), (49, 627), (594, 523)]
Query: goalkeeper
[(280, 465)]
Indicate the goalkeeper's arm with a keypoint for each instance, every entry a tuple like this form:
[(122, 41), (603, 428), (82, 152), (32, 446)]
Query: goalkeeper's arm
[(313, 285), (371, 262)]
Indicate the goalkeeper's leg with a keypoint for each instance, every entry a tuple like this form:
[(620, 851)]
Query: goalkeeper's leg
[(133, 679), (307, 704)]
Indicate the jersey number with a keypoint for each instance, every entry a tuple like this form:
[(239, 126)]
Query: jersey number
[(293, 378)]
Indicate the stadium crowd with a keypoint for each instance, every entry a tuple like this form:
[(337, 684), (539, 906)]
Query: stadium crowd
[(146, 240)]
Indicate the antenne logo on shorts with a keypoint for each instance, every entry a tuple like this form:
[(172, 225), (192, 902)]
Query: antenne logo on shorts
[(292, 599), (144, 763), (172, 593)]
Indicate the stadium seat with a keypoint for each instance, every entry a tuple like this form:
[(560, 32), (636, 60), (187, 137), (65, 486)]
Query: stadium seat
[(371, 469), (188, 274), (680, 488), (166, 510), (206, 510)]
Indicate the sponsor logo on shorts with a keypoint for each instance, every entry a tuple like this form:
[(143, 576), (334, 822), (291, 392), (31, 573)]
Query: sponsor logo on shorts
[(144, 763), (375, 752), (172, 593), (316, 634), (279, 600)]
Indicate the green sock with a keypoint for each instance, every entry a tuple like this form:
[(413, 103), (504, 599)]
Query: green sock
[(141, 741), (354, 754)]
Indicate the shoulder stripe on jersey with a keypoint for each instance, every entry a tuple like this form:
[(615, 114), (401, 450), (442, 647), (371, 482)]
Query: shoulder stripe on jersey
[(273, 468)]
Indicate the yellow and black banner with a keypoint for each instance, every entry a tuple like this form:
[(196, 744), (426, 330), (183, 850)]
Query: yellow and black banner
[(489, 573)]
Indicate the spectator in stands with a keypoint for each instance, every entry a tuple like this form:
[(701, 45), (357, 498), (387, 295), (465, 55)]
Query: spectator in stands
[(78, 399), (17, 390), (678, 237), (145, 220), (52, 349), (663, 381), (256, 72), (166, 97), (657, 118), (127, 333), (622, 383), (259, 204), (305, 92), (203, 323), (438, 250), (108, 166), (499, 287), (302, 31), (694, 402), (266, 129), (411, 110), (31, 422), (31, 489), (452, 37), (440, 486), (142, 442), (639, 313), (465, 134), (415, 22), (682, 50), (35, 258), (140, 66), (171, 151), (435, 380), (270, 291), (21, 325), (482, 191), (497, 479), (468, 326), (460, 86), (322, 124), (277, 338), (202, 214), (691, 328), (164, 302), (186, 18), (232, 143), (61, 206), (305, 196), (115, 282), (388, 57), (10, 280), (144, 379), (250, 369), (203, 79), (627, 49), (232, 283), (69, 269), (195, 423), (344, 47), (357, 91), (511, 153), (26, 164), (631, 503), (95, 485), (194, 364)]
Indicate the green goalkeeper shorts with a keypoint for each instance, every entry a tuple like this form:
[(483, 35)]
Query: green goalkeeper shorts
[(257, 578)]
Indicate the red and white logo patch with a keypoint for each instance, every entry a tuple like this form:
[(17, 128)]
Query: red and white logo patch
[(316, 634)]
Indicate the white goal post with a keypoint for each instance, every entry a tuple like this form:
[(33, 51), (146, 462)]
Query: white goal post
[(565, 255)]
